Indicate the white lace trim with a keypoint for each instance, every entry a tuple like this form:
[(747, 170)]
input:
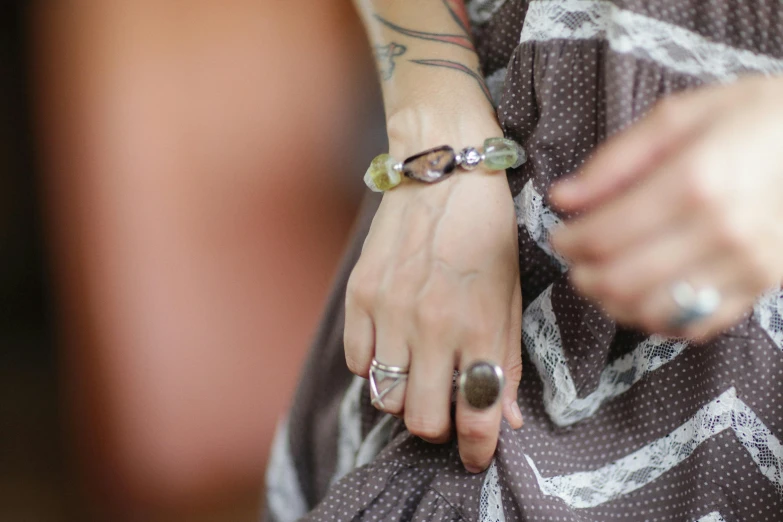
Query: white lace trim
[(538, 219), (643, 37), (769, 314), (712, 517), (491, 500), (352, 451), (284, 497), (495, 83), (591, 488), (545, 345), (480, 11)]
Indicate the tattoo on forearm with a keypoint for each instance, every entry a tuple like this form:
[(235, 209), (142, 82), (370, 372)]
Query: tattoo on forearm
[(458, 12), (456, 66), (385, 55), (461, 40)]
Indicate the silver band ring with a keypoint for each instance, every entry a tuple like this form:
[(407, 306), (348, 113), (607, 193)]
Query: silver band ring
[(481, 384), (379, 374), (693, 305)]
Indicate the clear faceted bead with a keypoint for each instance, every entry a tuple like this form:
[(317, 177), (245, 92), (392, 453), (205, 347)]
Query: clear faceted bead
[(470, 158), (381, 174), (503, 153)]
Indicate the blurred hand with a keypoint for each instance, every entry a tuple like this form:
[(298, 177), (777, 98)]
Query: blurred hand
[(694, 192), (436, 288)]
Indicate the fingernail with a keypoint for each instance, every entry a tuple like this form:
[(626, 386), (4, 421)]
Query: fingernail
[(473, 469)]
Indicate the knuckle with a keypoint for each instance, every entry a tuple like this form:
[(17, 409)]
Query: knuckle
[(362, 288), (474, 431), (357, 365), (427, 427)]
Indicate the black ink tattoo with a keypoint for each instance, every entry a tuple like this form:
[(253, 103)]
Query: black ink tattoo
[(385, 55), (456, 66), (454, 39), (457, 11)]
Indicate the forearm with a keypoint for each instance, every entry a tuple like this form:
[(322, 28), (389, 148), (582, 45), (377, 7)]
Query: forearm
[(432, 84)]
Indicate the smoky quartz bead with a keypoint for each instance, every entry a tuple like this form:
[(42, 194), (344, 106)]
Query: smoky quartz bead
[(431, 165)]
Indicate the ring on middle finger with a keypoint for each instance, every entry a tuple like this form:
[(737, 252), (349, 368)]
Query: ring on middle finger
[(383, 379), (481, 384)]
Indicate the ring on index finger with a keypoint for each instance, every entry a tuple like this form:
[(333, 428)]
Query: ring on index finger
[(383, 379)]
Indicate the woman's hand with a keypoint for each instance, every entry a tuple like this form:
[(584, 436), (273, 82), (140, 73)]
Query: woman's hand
[(693, 193), (436, 288)]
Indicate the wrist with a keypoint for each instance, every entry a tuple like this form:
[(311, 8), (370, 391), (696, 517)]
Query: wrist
[(418, 128)]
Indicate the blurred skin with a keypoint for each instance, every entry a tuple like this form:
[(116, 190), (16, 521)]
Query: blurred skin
[(198, 202), (693, 192)]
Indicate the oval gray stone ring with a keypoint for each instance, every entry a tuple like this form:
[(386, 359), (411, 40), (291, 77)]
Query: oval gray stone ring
[(481, 384)]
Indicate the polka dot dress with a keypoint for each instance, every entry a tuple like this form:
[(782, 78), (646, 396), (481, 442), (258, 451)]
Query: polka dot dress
[(618, 425)]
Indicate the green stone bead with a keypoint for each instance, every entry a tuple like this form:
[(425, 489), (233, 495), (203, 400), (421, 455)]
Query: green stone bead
[(502, 154), (380, 175)]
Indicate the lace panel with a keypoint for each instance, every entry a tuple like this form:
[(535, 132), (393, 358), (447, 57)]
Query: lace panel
[(646, 38), (587, 489), (545, 346), (491, 501), (480, 11), (538, 219), (769, 314)]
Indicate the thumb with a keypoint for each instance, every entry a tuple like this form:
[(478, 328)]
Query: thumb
[(512, 367)]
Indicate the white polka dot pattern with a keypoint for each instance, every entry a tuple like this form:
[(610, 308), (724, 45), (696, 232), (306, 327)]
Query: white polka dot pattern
[(592, 488), (644, 37)]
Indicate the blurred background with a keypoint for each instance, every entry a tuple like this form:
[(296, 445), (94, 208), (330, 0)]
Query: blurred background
[(178, 180)]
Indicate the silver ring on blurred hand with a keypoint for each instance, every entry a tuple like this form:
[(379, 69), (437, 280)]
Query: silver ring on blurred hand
[(693, 305), (481, 384), (379, 374)]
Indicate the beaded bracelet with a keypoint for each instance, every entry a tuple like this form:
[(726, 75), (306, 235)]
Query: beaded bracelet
[(437, 164)]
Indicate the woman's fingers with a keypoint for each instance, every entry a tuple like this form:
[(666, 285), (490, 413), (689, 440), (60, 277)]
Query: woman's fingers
[(477, 429), (391, 349), (657, 311), (428, 396), (631, 154), (359, 333), (624, 279)]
